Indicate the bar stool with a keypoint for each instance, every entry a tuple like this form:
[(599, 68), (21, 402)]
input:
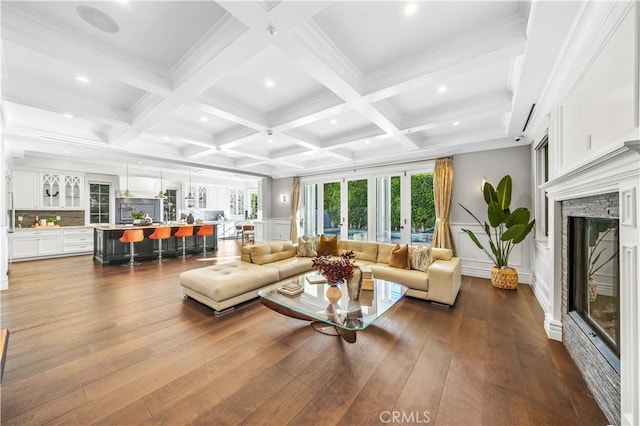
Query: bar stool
[(205, 231), (184, 232), (160, 234), (132, 236)]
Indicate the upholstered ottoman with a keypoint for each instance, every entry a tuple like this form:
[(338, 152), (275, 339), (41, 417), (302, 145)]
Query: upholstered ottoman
[(226, 285)]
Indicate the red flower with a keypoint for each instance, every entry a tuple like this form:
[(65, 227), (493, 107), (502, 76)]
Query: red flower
[(335, 270)]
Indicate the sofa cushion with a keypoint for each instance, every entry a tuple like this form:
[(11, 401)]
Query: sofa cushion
[(411, 278), (400, 257), (364, 250), (441, 254), (328, 246), (421, 258), (308, 245), (291, 267), (221, 282), (384, 252), (272, 251)]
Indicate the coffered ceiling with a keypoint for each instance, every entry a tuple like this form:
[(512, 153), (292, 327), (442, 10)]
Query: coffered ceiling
[(273, 88)]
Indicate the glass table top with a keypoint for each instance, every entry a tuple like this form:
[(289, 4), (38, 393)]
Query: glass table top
[(346, 313)]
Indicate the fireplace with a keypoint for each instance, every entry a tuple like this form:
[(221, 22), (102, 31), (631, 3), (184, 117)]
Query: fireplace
[(591, 313), (594, 282)]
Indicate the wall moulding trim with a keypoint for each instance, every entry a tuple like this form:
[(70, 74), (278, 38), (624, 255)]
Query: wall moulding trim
[(552, 327), (596, 176)]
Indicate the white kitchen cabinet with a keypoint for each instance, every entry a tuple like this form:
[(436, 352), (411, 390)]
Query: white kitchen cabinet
[(61, 191), (201, 194), (31, 244), (50, 190), (77, 240), (25, 189)]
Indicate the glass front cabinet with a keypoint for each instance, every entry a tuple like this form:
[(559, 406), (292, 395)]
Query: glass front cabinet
[(61, 191)]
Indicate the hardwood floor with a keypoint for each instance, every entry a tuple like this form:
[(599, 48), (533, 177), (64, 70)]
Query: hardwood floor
[(113, 345)]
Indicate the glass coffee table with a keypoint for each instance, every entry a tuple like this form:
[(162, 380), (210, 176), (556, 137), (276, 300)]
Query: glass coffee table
[(343, 318)]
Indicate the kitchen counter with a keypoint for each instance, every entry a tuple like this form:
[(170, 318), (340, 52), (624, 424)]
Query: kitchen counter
[(49, 228), (109, 249)]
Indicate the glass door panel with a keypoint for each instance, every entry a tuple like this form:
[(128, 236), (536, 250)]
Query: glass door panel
[(423, 213), (50, 190), (310, 209), (388, 209), (331, 222), (72, 186), (357, 201)]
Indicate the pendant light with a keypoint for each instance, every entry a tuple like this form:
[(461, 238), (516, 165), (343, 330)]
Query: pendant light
[(190, 199), (161, 195), (127, 193)]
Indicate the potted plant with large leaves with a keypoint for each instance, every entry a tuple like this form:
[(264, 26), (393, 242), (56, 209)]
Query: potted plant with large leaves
[(505, 229)]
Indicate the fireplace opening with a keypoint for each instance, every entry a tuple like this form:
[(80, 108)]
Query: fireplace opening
[(594, 282)]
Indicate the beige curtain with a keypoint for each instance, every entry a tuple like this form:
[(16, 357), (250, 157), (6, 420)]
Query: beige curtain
[(442, 189), (295, 206)]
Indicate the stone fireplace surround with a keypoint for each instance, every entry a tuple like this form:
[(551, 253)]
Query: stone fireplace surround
[(603, 380), (616, 171)]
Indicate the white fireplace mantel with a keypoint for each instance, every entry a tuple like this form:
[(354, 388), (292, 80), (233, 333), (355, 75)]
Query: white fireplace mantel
[(617, 170)]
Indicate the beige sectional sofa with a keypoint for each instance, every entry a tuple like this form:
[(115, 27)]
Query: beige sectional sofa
[(267, 265)]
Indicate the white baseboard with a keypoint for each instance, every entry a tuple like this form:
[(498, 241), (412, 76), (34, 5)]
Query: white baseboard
[(4, 284), (482, 272), (552, 327)]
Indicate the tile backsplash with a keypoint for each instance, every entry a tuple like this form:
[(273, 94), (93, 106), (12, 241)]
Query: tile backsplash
[(67, 217)]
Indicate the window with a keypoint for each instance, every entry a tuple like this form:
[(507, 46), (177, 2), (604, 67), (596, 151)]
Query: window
[(386, 207), (169, 205), (99, 203), (542, 176), (236, 202), (253, 208)]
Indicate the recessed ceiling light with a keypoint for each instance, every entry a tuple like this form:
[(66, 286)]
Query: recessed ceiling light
[(139, 162), (270, 140), (66, 151), (411, 8), (67, 115), (442, 89), (165, 138), (269, 83), (367, 142), (82, 79), (204, 119), (455, 123), (334, 121)]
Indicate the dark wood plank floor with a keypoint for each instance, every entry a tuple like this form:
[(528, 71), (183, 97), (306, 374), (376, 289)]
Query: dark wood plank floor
[(112, 345)]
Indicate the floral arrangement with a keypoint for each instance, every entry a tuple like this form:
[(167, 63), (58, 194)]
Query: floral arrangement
[(335, 270)]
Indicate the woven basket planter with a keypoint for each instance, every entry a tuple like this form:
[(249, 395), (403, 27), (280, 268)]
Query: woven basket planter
[(504, 278)]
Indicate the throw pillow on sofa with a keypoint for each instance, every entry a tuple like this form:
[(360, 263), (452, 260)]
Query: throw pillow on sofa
[(421, 258), (328, 246), (307, 246), (400, 257)]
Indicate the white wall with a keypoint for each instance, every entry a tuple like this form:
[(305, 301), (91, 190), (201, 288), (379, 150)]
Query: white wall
[(279, 209), (469, 170)]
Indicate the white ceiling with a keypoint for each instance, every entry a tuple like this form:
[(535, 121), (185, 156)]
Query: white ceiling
[(183, 84)]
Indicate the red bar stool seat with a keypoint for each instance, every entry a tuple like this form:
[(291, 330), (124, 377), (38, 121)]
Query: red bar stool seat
[(162, 233), (184, 232), (132, 236), (205, 231)]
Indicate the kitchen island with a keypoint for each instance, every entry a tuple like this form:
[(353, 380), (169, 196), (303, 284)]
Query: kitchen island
[(108, 249)]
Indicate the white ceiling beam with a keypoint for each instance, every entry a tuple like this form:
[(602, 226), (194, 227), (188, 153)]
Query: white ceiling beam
[(313, 52), (309, 110), (220, 107), (360, 135)]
